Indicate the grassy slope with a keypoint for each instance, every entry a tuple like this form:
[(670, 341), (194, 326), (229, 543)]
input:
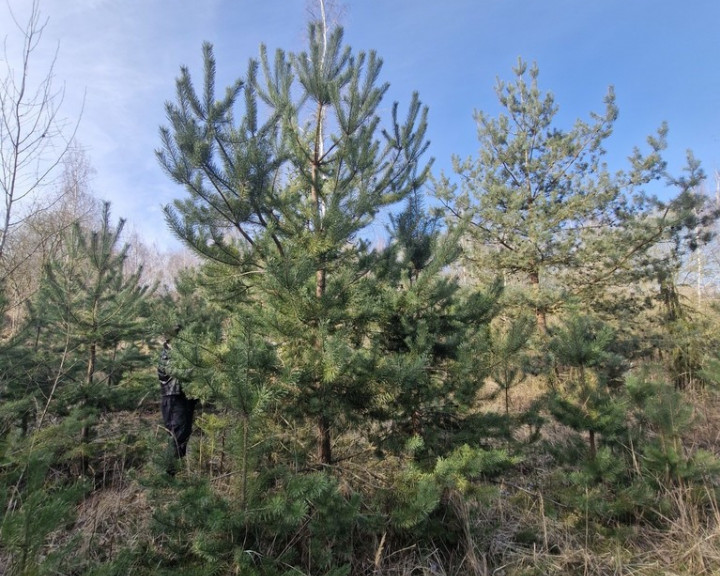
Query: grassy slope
[(523, 529)]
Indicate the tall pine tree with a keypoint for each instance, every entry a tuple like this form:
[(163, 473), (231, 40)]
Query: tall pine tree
[(283, 174), (89, 296), (548, 216)]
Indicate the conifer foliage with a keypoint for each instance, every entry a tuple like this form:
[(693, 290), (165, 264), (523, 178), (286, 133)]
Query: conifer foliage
[(89, 295), (546, 213), (433, 335), (467, 396), (283, 174), (70, 367)]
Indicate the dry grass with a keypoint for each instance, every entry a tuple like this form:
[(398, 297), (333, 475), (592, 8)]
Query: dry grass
[(522, 531), (705, 432), (514, 536), (691, 542), (521, 396), (687, 543), (112, 519)]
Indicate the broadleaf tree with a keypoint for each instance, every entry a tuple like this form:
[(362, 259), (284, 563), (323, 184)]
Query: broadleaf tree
[(34, 137)]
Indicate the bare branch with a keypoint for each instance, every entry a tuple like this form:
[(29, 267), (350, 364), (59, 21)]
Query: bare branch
[(33, 137)]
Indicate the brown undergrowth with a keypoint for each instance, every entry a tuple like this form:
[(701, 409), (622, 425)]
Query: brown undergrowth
[(521, 526)]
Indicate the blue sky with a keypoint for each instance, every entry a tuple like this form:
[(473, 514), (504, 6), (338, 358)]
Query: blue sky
[(122, 56)]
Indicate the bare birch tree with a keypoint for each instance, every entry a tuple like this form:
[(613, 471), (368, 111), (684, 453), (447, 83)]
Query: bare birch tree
[(34, 138), (39, 239)]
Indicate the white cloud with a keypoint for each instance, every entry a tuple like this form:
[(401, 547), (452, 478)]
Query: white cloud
[(120, 58)]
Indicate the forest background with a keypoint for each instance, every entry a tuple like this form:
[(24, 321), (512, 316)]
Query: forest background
[(520, 379)]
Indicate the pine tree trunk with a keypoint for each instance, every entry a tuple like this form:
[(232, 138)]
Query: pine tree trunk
[(320, 276), (539, 312), (324, 449), (323, 425), (91, 363), (244, 465), (593, 447)]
